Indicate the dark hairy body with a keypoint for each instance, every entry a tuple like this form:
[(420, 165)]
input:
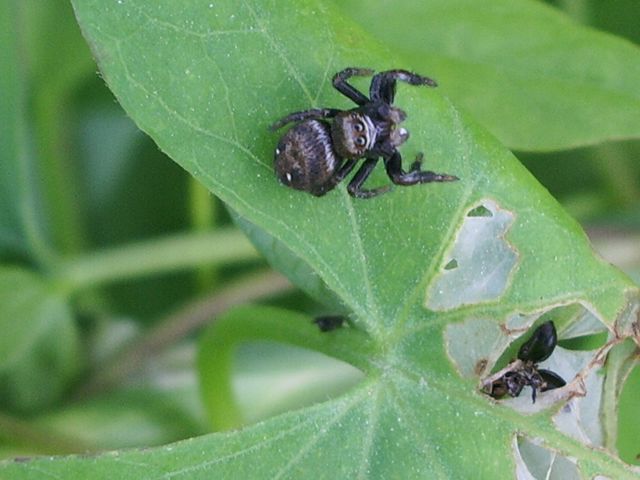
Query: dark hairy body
[(326, 144)]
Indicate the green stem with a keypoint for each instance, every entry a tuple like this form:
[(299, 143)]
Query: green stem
[(167, 254), (203, 210), (57, 172), (203, 207), (247, 324), (177, 326), (62, 63), (37, 439)]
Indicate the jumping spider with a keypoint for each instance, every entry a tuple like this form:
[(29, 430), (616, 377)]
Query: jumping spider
[(325, 144), (524, 371)]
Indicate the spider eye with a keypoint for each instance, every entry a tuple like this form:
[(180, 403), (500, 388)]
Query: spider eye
[(358, 126), (361, 141)]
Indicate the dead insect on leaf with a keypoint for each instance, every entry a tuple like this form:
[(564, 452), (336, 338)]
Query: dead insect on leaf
[(525, 371)]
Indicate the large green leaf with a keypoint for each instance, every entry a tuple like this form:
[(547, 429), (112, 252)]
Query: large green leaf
[(440, 279), (534, 78)]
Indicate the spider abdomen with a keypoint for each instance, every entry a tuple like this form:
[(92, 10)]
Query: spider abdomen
[(305, 159)]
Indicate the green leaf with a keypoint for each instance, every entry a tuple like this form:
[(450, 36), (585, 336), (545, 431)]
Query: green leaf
[(17, 213), (534, 78), (38, 344), (618, 17), (205, 79)]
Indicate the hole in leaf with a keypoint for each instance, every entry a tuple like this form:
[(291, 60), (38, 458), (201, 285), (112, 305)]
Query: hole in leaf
[(473, 345), (580, 417), (480, 211), (628, 418), (486, 349), (536, 462), (573, 323), (453, 264), (586, 342), (478, 266)]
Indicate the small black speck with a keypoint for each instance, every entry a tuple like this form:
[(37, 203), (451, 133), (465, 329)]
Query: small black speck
[(326, 323)]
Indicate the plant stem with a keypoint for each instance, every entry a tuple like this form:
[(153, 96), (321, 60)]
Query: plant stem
[(177, 326), (60, 66), (203, 210), (167, 254), (247, 324), (37, 439)]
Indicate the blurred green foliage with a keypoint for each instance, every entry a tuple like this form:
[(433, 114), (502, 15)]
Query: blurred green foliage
[(78, 177), (599, 185), (85, 195)]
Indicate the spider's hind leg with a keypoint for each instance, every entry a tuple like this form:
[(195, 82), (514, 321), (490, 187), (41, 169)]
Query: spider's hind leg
[(340, 84), (355, 185), (383, 85)]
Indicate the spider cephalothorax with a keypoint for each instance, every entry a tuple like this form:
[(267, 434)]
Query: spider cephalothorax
[(325, 144)]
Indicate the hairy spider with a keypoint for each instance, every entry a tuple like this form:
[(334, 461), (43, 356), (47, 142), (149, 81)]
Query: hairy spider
[(325, 144), (524, 371)]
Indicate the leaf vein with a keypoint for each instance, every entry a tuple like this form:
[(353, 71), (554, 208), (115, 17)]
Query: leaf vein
[(316, 438), (279, 50), (187, 31)]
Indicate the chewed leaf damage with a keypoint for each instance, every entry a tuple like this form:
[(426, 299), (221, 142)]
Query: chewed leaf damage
[(486, 349), (478, 267), (535, 462)]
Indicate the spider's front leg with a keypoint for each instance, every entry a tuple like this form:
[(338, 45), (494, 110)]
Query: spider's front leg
[(383, 85), (355, 185), (415, 175), (312, 114), (340, 84)]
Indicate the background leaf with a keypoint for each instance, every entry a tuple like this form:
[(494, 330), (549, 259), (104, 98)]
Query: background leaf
[(39, 343), (282, 259), (18, 222), (529, 74)]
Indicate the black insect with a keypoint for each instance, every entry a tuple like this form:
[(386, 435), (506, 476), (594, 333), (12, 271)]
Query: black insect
[(326, 323), (525, 370), (325, 144)]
